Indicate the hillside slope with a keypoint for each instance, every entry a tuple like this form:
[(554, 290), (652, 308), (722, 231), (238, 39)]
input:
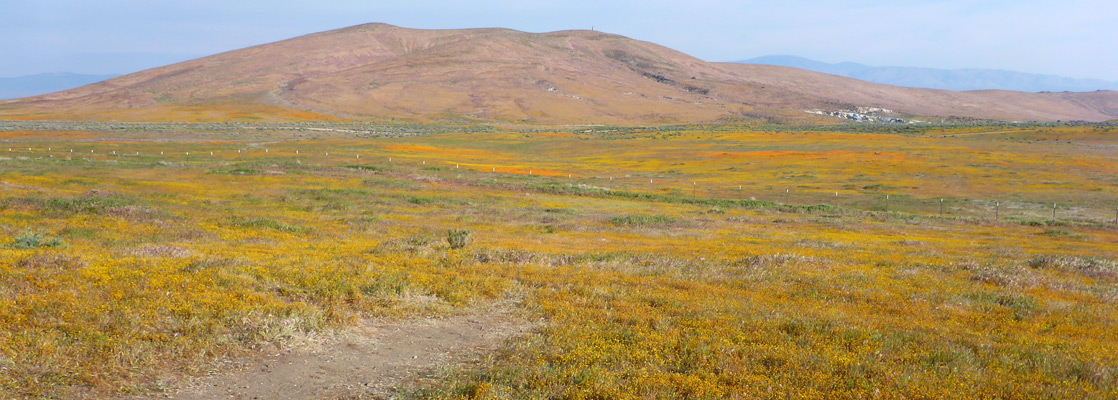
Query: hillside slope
[(377, 71)]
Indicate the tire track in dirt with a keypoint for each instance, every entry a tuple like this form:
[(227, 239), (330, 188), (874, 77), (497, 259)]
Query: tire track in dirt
[(368, 361)]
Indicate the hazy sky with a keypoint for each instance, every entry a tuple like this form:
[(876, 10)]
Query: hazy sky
[(1077, 38)]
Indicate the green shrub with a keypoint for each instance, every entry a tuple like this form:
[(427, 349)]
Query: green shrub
[(641, 220), (273, 224), (457, 238), (32, 240), (366, 167), (420, 200), (236, 170)]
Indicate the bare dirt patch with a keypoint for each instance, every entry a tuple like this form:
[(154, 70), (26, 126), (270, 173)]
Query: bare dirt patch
[(368, 361)]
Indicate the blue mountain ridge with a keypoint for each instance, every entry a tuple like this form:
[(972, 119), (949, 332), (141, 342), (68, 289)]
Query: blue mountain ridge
[(34, 85), (946, 79)]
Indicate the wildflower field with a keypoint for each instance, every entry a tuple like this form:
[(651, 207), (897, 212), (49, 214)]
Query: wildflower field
[(686, 262)]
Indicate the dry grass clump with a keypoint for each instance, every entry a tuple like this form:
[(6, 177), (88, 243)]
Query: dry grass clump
[(1092, 267), (151, 250)]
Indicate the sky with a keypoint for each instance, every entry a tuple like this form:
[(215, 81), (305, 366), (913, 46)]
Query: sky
[(1074, 38)]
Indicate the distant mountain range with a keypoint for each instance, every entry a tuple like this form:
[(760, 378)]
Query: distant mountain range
[(947, 79), (34, 85), (378, 72)]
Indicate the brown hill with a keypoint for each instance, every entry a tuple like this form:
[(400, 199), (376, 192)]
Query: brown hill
[(378, 71)]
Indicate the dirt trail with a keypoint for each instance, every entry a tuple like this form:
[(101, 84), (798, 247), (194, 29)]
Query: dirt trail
[(367, 362)]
